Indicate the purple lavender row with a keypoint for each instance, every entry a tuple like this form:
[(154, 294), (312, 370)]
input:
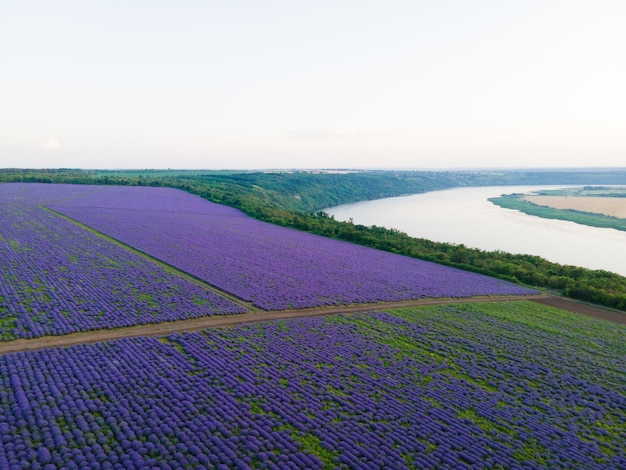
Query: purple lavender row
[(57, 278), (112, 197), (40, 193), (362, 391), (362, 386), (280, 268), (273, 267)]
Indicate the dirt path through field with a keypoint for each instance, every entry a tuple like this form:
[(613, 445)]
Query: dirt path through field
[(162, 329), (582, 308), (256, 315), (215, 321)]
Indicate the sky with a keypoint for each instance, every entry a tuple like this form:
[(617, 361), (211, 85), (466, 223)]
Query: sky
[(312, 84)]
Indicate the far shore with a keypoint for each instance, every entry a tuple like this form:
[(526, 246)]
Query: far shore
[(611, 206)]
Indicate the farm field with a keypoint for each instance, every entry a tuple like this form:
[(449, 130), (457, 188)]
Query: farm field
[(612, 206), (57, 278), (279, 268), (273, 267), (594, 219), (498, 384), (493, 385)]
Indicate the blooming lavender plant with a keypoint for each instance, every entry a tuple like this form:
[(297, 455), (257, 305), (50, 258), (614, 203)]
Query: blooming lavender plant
[(273, 267), (58, 278), (112, 197), (431, 387)]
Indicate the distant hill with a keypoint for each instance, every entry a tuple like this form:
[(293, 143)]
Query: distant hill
[(311, 191)]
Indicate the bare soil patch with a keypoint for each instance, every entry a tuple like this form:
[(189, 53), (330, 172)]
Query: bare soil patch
[(613, 206), (582, 308)]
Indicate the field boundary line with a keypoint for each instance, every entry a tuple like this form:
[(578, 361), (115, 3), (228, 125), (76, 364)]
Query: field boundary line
[(222, 321), (583, 308), (168, 267)]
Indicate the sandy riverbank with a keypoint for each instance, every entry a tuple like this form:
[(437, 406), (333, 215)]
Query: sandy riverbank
[(613, 206)]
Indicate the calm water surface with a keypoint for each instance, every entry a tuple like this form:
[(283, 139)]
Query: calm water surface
[(464, 215)]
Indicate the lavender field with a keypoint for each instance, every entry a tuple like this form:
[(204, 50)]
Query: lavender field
[(476, 385), (57, 278), (111, 197), (498, 385), (273, 267)]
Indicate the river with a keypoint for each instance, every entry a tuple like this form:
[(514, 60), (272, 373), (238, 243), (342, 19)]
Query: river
[(464, 215)]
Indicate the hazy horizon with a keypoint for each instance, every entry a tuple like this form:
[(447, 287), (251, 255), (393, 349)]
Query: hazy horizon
[(294, 85), (590, 169)]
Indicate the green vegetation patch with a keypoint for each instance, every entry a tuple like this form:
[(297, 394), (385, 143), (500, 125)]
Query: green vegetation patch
[(517, 202)]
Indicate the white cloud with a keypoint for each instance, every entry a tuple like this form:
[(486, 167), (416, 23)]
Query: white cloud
[(52, 144)]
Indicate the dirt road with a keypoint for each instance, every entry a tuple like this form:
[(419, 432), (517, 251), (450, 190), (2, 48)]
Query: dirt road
[(195, 324), (582, 308)]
